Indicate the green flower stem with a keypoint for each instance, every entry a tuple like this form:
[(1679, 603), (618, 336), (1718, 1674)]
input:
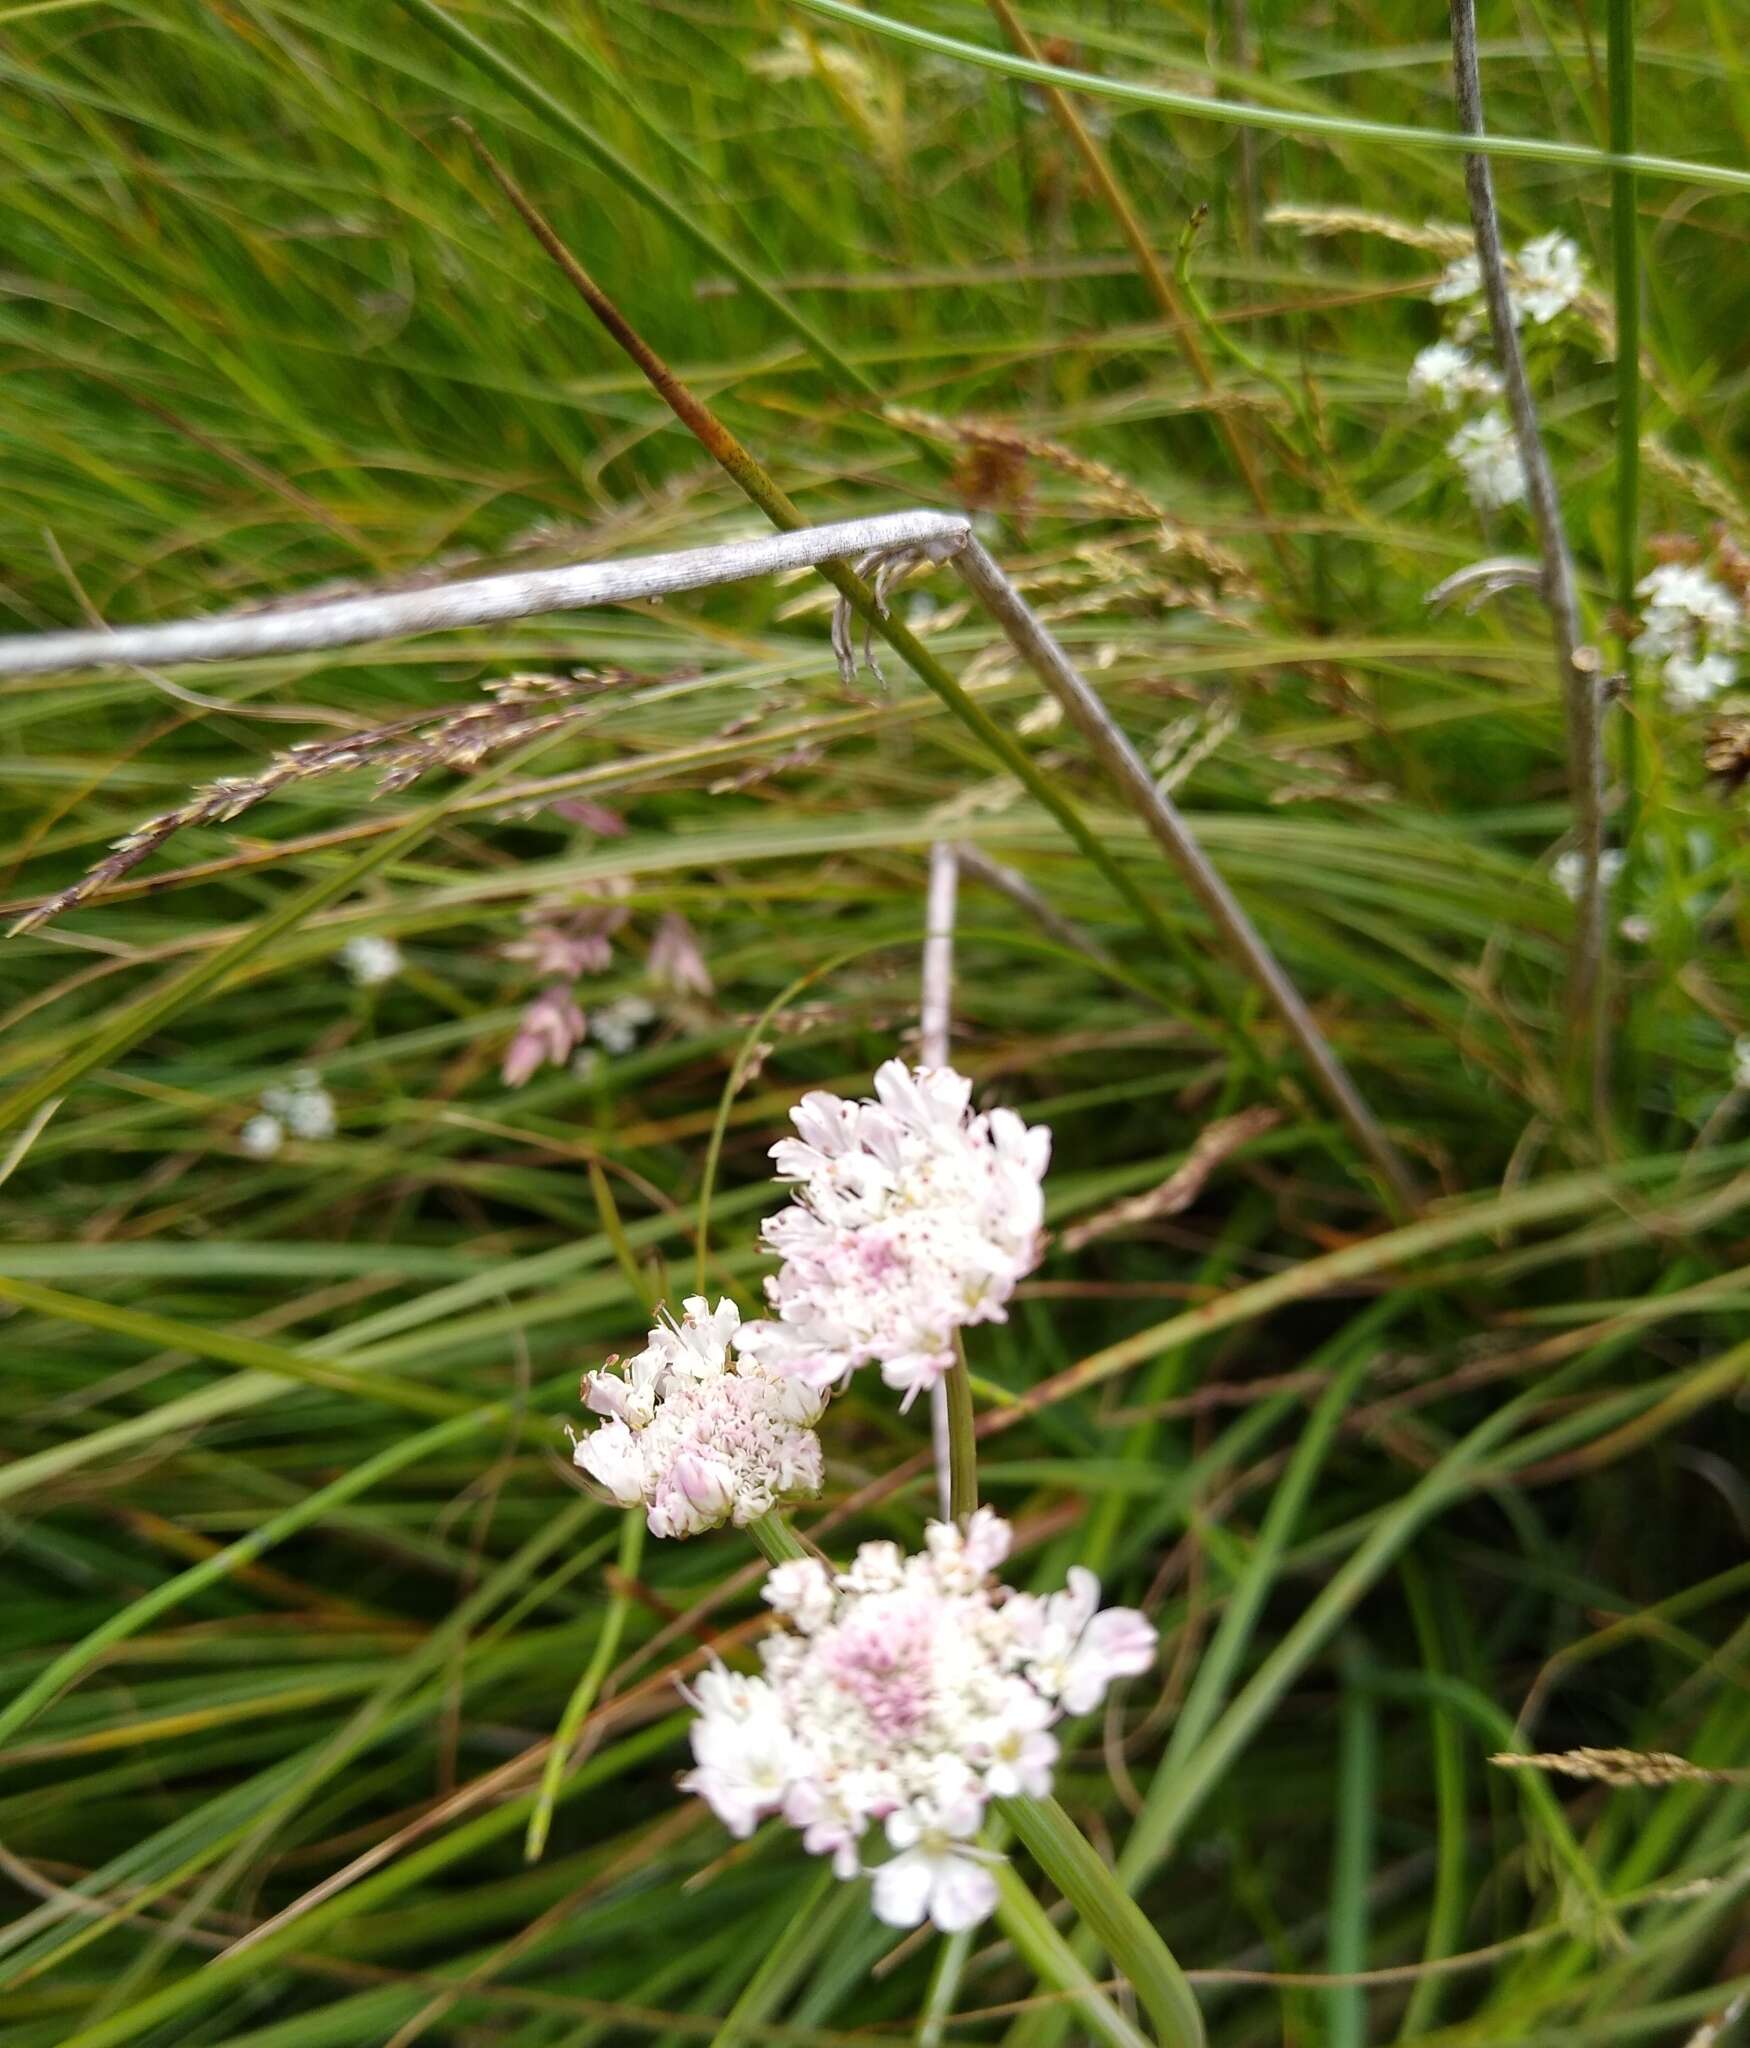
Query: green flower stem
[(962, 1443), (588, 1686), (1054, 1962), (1110, 1915), (819, 1918), (777, 1542)]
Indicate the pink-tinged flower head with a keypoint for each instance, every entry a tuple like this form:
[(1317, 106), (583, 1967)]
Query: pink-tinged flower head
[(697, 1434), (912, 1218), (905, 1694), (675, 960), (551, 1029)]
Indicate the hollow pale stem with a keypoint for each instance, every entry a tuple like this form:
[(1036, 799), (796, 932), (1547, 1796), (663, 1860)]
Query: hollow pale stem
[(1111, 1916)]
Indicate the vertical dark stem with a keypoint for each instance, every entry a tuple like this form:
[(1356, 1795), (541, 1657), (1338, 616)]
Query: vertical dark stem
[(1625, 255), (1041, 650), (1576, 662)]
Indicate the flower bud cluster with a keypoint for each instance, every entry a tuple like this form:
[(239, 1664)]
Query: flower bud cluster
[(903, 1695), (912, 1218), (697, 1435)]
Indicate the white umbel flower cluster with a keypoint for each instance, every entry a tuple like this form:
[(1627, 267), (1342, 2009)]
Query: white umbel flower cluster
[(1543, 281), (905, 1694), (303, 1107), (696, 1435), (912, 1218), (1568, 870), (1487, 454), (1694, 626), (1447, 376), (371, 959)]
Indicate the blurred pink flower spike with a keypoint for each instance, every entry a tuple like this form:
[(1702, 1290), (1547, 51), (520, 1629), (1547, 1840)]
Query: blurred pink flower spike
[(565, 950), (596, 818), (551, 1029), (676, 961)]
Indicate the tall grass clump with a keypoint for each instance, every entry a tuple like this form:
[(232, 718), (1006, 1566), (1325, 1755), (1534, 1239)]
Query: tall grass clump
[(1274, 1569)]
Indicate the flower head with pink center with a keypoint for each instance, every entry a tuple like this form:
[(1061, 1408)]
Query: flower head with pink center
[(912, 1218), (696, 1434), (905, 1694)]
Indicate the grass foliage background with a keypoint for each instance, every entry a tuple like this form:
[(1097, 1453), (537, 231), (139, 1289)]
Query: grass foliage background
[(299, 1423)]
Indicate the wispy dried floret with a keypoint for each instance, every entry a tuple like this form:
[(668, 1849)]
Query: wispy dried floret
[(518, 709), (905, 1694), (1727, 756), (1621, 1767)]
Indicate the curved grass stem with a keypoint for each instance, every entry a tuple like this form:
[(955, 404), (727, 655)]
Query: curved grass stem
[(1111, 1916), (588, 1687)]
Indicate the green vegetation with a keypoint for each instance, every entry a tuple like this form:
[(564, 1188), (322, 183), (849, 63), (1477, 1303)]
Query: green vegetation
[(298, 1585)]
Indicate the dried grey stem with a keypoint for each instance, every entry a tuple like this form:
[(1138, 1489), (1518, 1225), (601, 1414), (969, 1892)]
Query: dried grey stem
[(935, 1008), (936, 1001), (1174, 1195), (1577, 664), (1016, 887), (1482, 581), (1713, 2031), (892, 545), (351, 622), (1043, 653)]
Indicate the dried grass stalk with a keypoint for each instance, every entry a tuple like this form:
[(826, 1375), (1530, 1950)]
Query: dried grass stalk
[(1182, 1186), (518, 708), (1004, 451), (1436, 237), (1622, 1767)]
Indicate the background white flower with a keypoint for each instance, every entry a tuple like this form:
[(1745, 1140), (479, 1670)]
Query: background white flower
[(262, 1136), (1487, 453), (1447, 375), (1568, 870), (304, 1106), (1694, 626), (371, 959)]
